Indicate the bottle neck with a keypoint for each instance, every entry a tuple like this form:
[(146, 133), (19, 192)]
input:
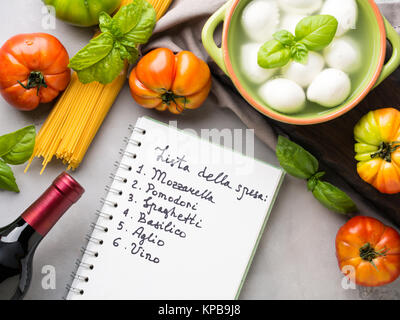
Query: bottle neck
[(22, 233), (44, 213)]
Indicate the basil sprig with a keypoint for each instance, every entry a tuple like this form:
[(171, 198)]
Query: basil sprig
[(104, 57), (15, 148), (312, 34), (301, 164)]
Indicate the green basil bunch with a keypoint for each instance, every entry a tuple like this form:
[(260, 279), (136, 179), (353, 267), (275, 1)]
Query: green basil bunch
[(303, 165), (104, 57), (312, 34), (15, 148)]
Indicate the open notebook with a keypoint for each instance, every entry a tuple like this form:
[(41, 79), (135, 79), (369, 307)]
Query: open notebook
[(182, 220)]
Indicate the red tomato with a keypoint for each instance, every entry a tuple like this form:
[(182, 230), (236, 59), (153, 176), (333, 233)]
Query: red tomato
[(371, 248), (163, 80), (33, 70)]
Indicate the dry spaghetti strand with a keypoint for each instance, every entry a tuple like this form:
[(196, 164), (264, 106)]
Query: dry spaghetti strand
[(161, 6)]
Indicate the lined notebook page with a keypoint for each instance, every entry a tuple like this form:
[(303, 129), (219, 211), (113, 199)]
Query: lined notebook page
[(184, 226)]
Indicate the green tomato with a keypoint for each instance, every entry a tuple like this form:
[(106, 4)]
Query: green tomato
[(84, 13)]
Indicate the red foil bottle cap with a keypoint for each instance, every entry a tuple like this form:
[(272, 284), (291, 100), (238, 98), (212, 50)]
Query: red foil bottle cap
[(54, 202), (69, 187)]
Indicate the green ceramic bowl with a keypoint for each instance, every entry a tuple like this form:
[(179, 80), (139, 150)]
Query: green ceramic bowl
[(372, 25)]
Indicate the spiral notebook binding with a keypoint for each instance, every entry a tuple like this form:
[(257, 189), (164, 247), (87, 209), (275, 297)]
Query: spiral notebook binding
[(85, 265), (113, 190), (124, 166), (79, 277), (94, 240), (90, 253), (133, 142), (75, 290), (96, 226), (136, 129), (118, 178), (128, 154), (102, 215)]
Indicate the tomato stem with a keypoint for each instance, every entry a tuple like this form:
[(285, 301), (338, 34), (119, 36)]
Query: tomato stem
[(385, 150), (168, 97), (35, 80), (368, 253)]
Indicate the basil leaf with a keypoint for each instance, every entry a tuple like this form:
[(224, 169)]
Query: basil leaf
[(333, 198), (104, 71), (97, 50), (128, 53), (104, 57), (316, 32), (284, 37), (295, 160), (105, 22), (142, 31), (7, 179), (273, 54), (301, 164), (133, 55), (128, 16), (313, 181), (299, 53), (17, 147)]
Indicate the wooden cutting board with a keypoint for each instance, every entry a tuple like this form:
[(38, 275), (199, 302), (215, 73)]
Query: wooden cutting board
[(333, 144)]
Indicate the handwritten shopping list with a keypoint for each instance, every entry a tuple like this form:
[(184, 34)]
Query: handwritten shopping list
[(162, 205), (187, 218)]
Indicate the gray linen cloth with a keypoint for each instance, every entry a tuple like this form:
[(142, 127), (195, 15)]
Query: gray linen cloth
[(180, 29)]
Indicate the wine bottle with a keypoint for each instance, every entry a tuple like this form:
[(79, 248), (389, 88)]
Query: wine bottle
[(19, 240)]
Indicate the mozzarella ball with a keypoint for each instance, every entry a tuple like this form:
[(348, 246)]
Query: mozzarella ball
[(249, 64), (283, 95), (345, 12), (330, 88), (260, 19), (300, 6), (344, 54), (304, 74), (290, 21)]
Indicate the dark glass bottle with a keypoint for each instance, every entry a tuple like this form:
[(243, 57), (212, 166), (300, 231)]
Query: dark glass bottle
[(19, 240)]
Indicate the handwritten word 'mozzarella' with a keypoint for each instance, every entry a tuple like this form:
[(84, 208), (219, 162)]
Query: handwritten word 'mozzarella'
[(162, 177)]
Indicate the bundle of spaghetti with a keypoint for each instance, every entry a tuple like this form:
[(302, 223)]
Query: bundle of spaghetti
[(77, 116), (161, 6)]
